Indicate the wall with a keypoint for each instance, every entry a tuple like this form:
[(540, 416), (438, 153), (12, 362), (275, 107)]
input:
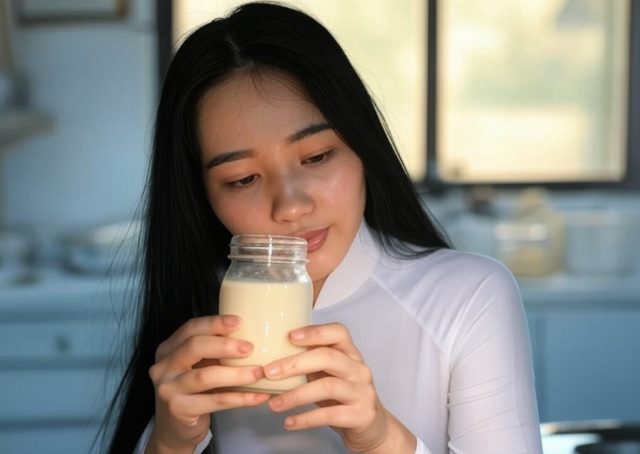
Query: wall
[(98, 81)]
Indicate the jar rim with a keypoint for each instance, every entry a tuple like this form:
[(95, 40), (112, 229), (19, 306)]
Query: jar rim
[(268, 248), (249, 239)]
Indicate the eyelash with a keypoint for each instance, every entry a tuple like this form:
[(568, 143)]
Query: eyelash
[(242, 182), (323, 157), (246, 181)]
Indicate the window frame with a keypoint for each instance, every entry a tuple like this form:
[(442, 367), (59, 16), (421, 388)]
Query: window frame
[(164, 35), (434, 184)]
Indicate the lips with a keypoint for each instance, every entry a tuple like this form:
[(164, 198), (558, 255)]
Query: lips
[(315, 239)]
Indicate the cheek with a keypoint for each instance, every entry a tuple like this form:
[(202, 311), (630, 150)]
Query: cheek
[(348, 187), (230, 213)]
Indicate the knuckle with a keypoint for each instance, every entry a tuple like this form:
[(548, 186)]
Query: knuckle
[(338, 326), (161, 351), (221, 400), (365, 374), (154, 373), (228, 345), (336, 413), (315, 332), (331, 353), (246, 375), (329, 386), (174, 407), (190, 324), (163, 390), (247, 399), (199, 376), (369, 394), (191, 345), (341, 330), (189, 327)]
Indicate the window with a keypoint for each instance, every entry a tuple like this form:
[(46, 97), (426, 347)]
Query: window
[(532, 91), (511, 91)]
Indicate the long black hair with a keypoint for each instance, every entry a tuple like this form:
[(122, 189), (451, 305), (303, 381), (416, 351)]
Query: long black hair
[(185, 245)]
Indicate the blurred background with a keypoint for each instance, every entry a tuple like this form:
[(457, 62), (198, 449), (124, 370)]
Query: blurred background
[(517, 120)]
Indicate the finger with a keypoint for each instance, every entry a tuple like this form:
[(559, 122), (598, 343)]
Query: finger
[(188, 408), (324, 389), (210, 378), (326, 359), (196, 348), (339, 416), (220, 325), (335, 335)]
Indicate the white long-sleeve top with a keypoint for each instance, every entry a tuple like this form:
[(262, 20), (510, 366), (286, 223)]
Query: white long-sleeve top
[(447, 341)]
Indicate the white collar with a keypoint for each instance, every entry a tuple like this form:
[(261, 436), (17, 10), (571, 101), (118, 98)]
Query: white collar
[(354, 269)]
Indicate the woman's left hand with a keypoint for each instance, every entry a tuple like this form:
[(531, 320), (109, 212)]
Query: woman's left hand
[(341, 384)]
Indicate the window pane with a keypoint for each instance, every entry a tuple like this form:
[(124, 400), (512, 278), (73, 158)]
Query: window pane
[(532, 90), (386, 43)]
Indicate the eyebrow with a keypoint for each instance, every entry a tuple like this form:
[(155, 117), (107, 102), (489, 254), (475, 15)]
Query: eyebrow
[(241, 154), (308, 131), (227, 157)]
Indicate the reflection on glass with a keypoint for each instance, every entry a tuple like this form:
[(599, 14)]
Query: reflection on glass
[(532, 90), (386, 43)]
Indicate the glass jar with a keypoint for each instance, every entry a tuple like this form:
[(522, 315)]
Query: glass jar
[(268, 286)]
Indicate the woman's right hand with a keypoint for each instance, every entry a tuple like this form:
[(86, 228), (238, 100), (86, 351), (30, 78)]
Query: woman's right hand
[(190, 383)]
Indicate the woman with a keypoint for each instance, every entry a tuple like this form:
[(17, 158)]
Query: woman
[(264, 127)]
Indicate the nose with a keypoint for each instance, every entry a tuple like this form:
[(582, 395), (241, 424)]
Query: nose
[(291, 199)]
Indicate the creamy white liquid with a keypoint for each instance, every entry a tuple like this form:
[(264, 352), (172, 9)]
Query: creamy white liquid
[(269, 311)]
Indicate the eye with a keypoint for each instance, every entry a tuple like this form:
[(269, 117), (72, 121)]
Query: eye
[(242, 182), (318, 158)]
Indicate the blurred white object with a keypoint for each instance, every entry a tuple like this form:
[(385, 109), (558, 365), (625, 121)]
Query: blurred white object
[(530, 241), (602, 243), (111, 247), (565, 443)]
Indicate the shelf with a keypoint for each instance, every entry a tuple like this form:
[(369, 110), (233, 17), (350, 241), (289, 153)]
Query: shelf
[(19, 124)]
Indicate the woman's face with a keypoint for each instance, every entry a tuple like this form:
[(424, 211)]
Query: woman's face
[(273, 165)]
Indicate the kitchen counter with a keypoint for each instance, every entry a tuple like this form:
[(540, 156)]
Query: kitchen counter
[(51, 290), (55, 289), (61, 357)]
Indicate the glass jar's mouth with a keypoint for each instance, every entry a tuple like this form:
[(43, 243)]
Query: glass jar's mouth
[(259, 240), (268, 248)]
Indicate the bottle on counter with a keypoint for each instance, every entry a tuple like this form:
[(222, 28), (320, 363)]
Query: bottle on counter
[(531, 240)]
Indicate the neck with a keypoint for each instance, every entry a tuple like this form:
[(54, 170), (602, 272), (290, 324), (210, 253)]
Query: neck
[(317, 286)]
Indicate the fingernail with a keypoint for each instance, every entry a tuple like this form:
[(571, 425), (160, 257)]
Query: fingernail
[(276, 402), (289, 421), (244, 347), (273, 371), (258, 373), (230, 320), (297, 335)]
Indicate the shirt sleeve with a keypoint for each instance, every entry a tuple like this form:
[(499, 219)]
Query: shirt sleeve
[(146, 435), (492, 404)]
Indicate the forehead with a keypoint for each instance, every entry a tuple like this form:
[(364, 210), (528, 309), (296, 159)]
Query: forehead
[(266, 101)]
